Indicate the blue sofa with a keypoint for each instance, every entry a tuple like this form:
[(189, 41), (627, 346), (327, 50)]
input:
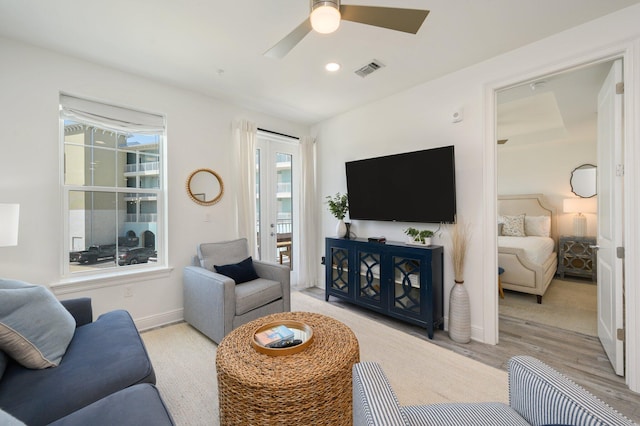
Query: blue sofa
[(538, 395), (104, 378)]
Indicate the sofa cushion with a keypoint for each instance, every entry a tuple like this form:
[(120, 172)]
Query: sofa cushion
[(7, 419), (468, 414), (222, 253), (572, 404), (134, 406), (35, 329), (104, 357), (3, 363), (256, 293), (240, 272)]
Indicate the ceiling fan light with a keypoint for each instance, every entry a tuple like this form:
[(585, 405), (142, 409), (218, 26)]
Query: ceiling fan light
[(325, 17)]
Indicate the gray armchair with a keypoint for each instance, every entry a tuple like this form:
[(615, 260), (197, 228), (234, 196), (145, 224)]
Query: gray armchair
[(215, 304)]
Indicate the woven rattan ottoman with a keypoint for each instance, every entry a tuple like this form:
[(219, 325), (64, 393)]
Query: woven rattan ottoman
[(312, 387)]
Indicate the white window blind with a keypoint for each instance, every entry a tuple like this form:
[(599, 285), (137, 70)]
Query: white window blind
[(110, 116)]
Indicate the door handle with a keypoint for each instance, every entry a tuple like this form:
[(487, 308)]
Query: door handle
[(594, 247)]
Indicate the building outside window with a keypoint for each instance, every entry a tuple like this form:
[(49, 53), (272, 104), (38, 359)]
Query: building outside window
[(113, 186)]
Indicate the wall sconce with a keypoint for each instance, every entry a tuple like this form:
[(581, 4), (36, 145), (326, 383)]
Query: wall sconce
[(579, 206)]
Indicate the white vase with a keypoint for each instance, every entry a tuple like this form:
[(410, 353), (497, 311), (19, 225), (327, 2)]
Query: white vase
[(341, 229), (459, 314)]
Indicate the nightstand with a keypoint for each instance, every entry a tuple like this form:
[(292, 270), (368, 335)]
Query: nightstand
[(576, 257)]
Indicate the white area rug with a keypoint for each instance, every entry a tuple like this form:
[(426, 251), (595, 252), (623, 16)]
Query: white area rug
[(566, 304), (419, 371)]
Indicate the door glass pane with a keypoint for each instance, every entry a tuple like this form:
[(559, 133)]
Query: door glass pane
[(339, 269), (369, 277), (284, 213), (406, 289)]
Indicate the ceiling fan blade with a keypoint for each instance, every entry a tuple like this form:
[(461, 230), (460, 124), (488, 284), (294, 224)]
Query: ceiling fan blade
[(405, 20), (285, 45)]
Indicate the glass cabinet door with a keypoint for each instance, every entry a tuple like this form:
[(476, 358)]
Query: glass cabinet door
[(339, 278), (368, 277), (406, 285)]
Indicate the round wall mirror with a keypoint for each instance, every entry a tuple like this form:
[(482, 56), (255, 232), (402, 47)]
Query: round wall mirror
[(205, 187), (583, 181)]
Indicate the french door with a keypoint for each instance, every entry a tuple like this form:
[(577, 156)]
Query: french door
[(277, 197)]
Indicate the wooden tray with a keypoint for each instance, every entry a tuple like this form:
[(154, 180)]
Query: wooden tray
[(301, 331)]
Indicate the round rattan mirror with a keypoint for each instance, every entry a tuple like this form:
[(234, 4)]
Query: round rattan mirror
[(205, 187)]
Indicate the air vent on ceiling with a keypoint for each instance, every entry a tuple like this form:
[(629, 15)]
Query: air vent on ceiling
[(372, 66)]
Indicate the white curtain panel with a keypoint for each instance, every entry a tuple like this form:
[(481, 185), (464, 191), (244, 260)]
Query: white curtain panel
[(308, 266), (244, 140)]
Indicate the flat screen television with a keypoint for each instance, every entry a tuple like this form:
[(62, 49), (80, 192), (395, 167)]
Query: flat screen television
[(415, 186)]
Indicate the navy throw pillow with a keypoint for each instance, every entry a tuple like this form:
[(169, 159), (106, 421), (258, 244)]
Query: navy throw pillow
[(240, 272)]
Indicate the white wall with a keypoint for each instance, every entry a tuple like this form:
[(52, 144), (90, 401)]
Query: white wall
[(545, 168), (198, 135), (421, 118)]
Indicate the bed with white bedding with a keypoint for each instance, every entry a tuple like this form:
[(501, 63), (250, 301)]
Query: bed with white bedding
[(527, 243)]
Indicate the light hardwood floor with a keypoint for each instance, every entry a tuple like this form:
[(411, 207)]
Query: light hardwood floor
[(576, 355)]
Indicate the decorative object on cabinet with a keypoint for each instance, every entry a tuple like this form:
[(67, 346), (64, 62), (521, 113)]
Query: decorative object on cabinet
[(419, 237), (393, 279), (339, 206), (205, 187), (583, 181), (579, 206), (459, 234), (577, 257)]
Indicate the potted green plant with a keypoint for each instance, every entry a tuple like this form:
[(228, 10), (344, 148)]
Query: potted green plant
[(419, 236), (339, 206)]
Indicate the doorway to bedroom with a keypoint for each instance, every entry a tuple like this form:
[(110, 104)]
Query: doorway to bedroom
[(547, 133)]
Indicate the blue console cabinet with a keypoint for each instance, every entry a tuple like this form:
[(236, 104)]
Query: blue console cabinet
[(395, 279)]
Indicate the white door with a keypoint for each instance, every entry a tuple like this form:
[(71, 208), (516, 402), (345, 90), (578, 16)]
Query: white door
[(610, 217), (276, 197)]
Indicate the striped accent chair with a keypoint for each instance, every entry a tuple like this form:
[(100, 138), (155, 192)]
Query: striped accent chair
[(538, 395)]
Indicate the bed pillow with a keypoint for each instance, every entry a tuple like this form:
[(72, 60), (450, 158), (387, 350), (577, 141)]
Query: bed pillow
[(513, 226), (537, 226), (35, 329), (239, 272)]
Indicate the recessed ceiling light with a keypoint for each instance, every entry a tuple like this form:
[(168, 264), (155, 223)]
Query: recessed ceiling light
[(332, 67)]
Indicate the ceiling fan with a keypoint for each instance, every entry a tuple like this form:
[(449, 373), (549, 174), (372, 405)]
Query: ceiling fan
[(325, 18)]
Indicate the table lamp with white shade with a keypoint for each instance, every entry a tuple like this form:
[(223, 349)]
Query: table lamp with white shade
[(9, 220), (579, 206)]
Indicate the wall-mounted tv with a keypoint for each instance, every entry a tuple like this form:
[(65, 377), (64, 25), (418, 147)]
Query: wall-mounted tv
[(415, 186)]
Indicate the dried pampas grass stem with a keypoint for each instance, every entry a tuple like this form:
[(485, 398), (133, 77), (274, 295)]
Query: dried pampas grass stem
[(459, 236)]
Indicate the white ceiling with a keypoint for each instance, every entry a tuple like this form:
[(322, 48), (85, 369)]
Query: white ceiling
[(216, 47), (552, 108)]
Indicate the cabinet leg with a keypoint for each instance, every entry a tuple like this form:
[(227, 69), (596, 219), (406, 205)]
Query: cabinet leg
[(539, 299)]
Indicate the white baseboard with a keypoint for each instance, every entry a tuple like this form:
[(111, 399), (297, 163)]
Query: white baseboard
[(159, 320)]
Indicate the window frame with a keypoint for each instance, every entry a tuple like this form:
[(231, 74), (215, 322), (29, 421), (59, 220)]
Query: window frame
[(160, 193)]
